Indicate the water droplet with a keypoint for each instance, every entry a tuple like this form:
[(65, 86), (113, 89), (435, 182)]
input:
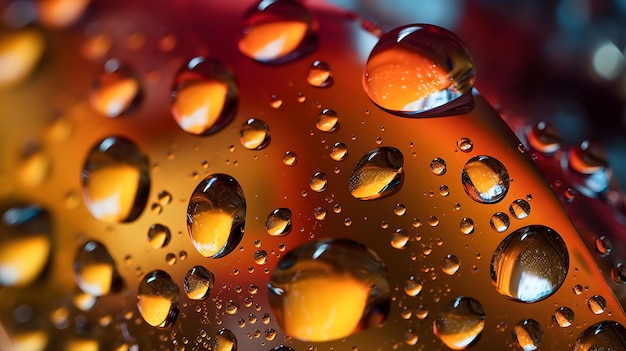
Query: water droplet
[(254, 134), (327, 121), (399, 210), (465, 144), (450, 264), (328, 290), (157, 299), (278, 222), (444, 190), (588, 158), (158, 236), (606, 335), (485, 179), (618, 273), (318, 182), (20, 53), (604, 246), (320, 75), (569, 194), (260, 257), (339, 151), (399, 239), (116, 90), (530, 264), (216, 215), (410, 338), (116, 180), (204, 96), (544, 137), (277, 31), (433, 221), (467, 226), (34, 167), (460, 323), (577, 289), (438, 166), (95, 271), (170, 259), (276, 102), (378, 174), (419, 69), (596, 304), (519, 208), (563, 316), (528, 334), (289, 158), (320, 213), (231, 307), (198, 283), (413, 286), (499, 222), (225, 340)]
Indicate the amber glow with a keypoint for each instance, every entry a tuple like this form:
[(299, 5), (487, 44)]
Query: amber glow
[(96, 279), (30, 341), (19, 54), (272, 40), (198, 107), (60, 13), (210, 231), (462, 336), (113, 98), (154, 309), (111, 191), (371, 181), (34, 169), (253, 139), (484, 179), (21, 260)]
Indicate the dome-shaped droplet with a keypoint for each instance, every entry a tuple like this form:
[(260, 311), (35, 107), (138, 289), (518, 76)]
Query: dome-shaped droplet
[(20, 52), (319, 75), (25, 244), (116, 180), (328, 290), (225, 341), (254, 134), (618, 273), (438, 166), (544, 137), (604, 246), (460, 323), (116, 90), (198, 283), (157, 299), (596, 304), (204, 96), (95, 271), (216, 215), (318, 182), (278, 222), (378, 174), (465, 144), (563, 316), (290, 158), (419, 69), (528, 334), (519, 208), (159, 235), (530, 264), (588, 158), (399, 239), (339, 151), (450, 264), (413, 286), (606, 335), (467, 225), (260, 257), (485, 179), (499, 222), (327, 121), (277, 31)]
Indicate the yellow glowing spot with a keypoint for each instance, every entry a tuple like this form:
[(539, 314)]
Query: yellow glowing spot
[(22, 260), (111, 192), (154, 309), (272, 40), (372, 180), (464, 334), (198, 107), (96, 279), (60, 13), (253, 139), (96, 46), (82, 345), (113, 98), (211, 230), (30, 341), (34, 169), (19, 54)]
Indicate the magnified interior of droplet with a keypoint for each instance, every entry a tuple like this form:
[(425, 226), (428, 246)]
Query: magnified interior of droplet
[(530, 264), (198, 283), (95, 270), (328, 290), (485, 179), (278, 222), (204, 96), (225, 340), (254, 134), (157, 299), (377, 174), (216, 215), (116, 180), (606, 335), (528, 334), (277, 31), (460, 323), (115, 90), (544, 137), (320, 75), (419, 70)]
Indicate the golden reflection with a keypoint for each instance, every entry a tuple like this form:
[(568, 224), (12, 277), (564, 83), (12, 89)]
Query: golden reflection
[(269, 41), (110, 192), (23, 259), (198, 107), (19, 54)]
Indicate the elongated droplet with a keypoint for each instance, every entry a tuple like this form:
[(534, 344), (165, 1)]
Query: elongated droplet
[(25, 244), (254, 134), (590, 164), (320, 75), (465, 144), (459, 324), (157, 299), (606, 335), (95, 271), (204, 96), (378, 174), (198, 283), (420, 70), (564, 317), (544, 137), (328, 290), (277, 31), (530, 264), (116, 180), (20, 52), (528, 334), (278, 222), (116, 90), (485, 179), (216, 215)]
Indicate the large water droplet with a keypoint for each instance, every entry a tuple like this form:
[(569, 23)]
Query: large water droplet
[(277, 31), (563, 316), (95, 271), (320, 75), (328, 290), (530, 264), (278, 222), (419, 69), (19, 53), (116, 180), (254, 134), (485, 179), (544, 137), (198, 283), (460, 323), (327, 121), (225, 341), (606, 335), (528, 334), (157, 299), (116, 90), (204, 96), (378, 174), (216, 215)]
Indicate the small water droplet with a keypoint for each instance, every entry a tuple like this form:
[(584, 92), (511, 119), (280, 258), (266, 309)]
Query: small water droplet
[(399, 210), (157, 299), (444, 190), (231, 307), (278, 222), (528, 334), (467, 225), (465, 144), (399, 239), (569, 194), (530, 264), (377, 174), (588, 158), (198, 283), (276, 102), (544, 138), (433, 221), (450, 264), (216, 215), (254, 134), (21, 51), (460, 323), (158, 236), (170, 258), (320, 75), (339, 151), (277, 31), (413, 286), (499, 222), (596, 304), (438, 166), (260, 257), (320, 213), (327, 121), (116, 90), (606, 335), (331, 289), (289, 158), (485, 179), (95, 271), (418, 68), (519, 209), (604, 246), (204, 96), (577, 289), (34, 167), (618, 273), (318, 182), (225, 340), (563, 316)]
